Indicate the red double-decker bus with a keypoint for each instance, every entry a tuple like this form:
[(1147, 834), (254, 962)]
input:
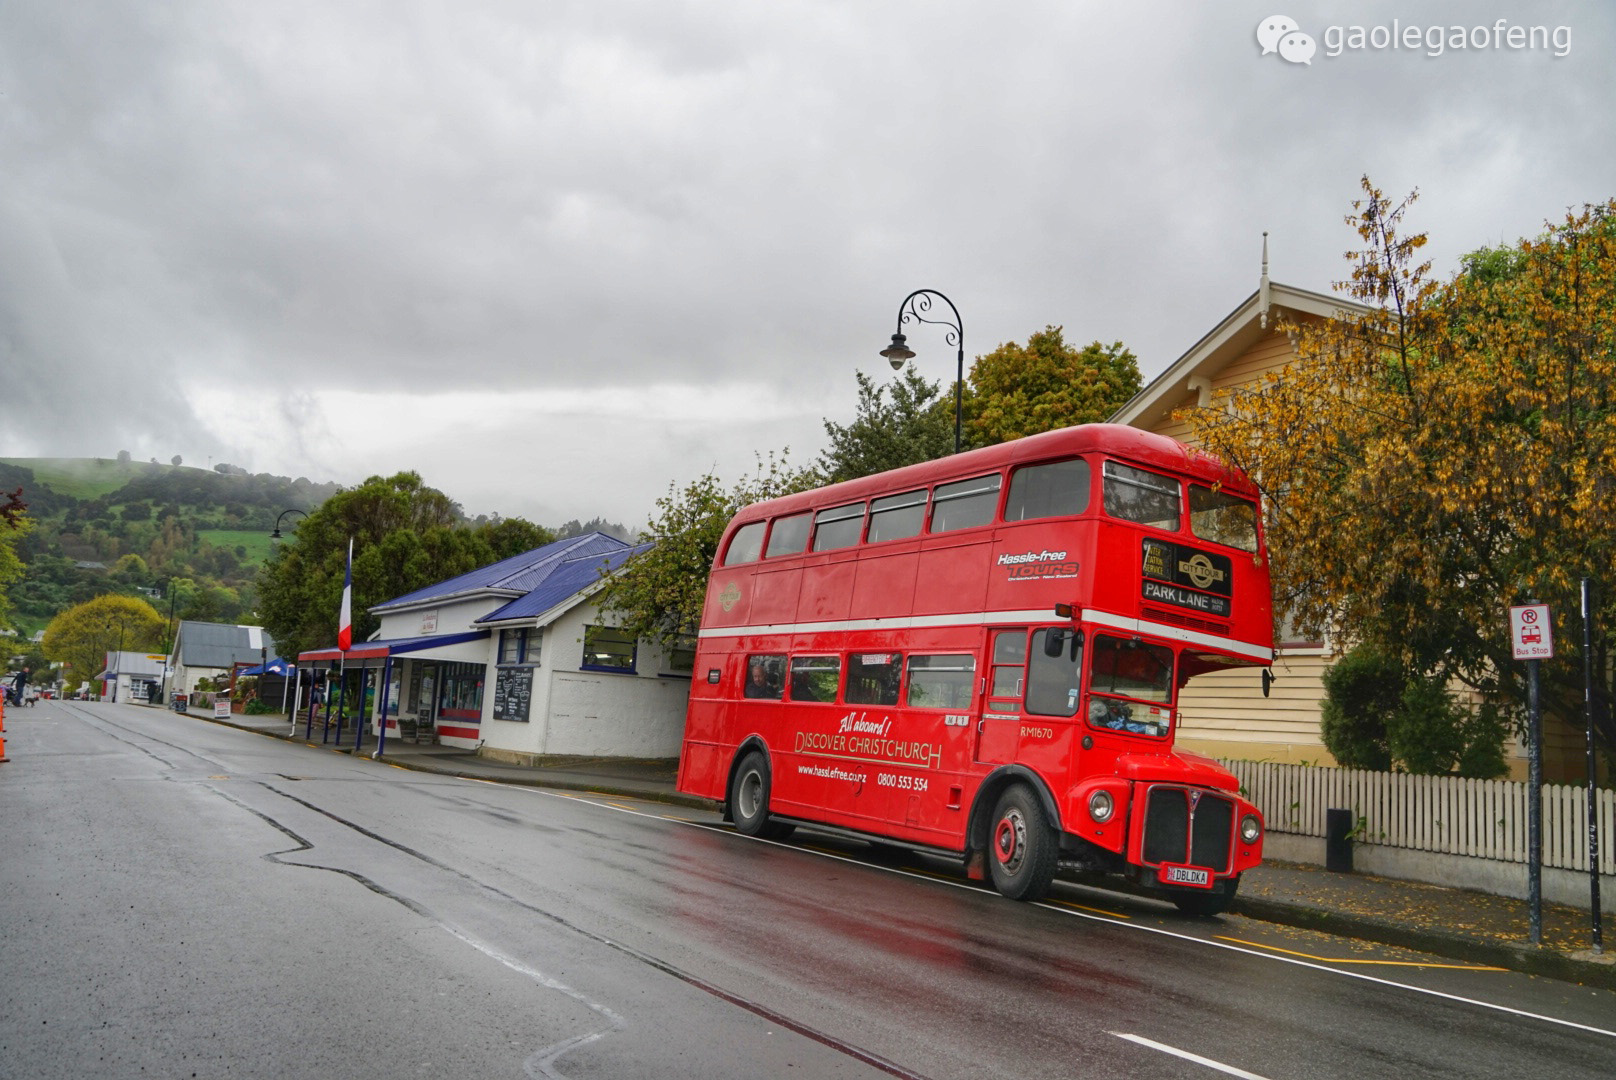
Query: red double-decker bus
[(982, 656)]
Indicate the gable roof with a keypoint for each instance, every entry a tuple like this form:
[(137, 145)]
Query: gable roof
[(510, 577), (1254, 318), (221, 645), (565, 583)]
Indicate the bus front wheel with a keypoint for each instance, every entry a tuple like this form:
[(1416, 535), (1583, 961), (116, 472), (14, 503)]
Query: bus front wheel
[(749, 800), (1021, 847)]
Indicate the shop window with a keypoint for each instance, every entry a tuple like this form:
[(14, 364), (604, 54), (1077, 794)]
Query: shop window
[(607, 648), (679, 655), (519, 646)]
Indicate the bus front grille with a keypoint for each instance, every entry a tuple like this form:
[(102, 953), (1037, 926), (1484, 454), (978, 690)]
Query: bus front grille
[(1176, 834)]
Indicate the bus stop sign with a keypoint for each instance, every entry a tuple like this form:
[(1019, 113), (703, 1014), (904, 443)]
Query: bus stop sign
[(1530, 633)]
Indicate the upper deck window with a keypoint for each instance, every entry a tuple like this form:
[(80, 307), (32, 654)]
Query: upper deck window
[(790, 534), (838, 527), (1223, 519), (1146, 497), (746, 545), (897, 517), (965, 503), (1058, 489)]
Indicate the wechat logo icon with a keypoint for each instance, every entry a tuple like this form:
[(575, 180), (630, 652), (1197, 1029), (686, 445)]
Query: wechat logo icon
[(1279, 33)]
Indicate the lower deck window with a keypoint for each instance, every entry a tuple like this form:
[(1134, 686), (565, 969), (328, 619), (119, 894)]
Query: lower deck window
[(872, 678), (941, 682), (815, 678)]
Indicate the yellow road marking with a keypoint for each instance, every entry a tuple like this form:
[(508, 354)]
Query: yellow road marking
[(1085, 907), (1380, 963)]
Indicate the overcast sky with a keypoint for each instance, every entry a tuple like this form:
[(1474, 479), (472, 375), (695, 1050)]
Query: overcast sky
[(557, 255)]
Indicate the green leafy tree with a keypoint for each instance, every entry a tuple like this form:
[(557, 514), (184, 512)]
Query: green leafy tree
[(406, 536), (81, 636), (658, 594), (1021, 390), (1447, 453), (513, 536), (899, 423), (13, 527)]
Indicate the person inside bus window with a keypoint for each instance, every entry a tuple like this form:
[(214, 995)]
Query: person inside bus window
[(763, 677)]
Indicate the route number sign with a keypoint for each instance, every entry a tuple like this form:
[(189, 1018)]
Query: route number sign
[(1530, 633)]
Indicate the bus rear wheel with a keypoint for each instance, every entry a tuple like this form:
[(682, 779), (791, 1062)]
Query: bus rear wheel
[(749, 800), (1022, 852)]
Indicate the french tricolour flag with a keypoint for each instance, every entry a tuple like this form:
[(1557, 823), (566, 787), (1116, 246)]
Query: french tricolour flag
[(345, 620)]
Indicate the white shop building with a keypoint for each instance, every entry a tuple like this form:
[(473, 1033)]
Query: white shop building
[(516, 661)]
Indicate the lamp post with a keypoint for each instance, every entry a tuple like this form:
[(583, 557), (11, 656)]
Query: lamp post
[(276, 535), (915, 308)]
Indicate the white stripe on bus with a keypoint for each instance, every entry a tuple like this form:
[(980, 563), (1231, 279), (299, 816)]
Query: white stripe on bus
[(992, 618)]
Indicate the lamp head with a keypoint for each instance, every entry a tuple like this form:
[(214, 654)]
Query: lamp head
[(898, 352)]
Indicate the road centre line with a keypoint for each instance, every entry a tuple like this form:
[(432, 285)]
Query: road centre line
[(1187, 1056), (1069, 912), (1382, 963)]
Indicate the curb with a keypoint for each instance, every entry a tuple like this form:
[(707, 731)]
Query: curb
[(1527, 959)]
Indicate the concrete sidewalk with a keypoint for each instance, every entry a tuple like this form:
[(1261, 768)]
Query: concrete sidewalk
[(1471, 927)]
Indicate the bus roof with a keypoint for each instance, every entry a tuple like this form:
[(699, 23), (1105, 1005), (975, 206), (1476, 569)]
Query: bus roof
[(1134, 444)]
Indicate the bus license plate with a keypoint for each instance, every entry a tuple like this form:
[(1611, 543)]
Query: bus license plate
[(1187, 875)]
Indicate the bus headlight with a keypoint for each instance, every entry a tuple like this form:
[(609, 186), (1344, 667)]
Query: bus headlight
[(1250, 828), (1101, 806)]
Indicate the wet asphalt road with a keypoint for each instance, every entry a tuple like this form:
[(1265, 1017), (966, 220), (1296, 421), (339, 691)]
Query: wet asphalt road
[(182, 899)]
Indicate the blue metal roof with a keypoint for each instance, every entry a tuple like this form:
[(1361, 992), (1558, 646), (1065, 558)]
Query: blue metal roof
[(562, 581), (519, 573)]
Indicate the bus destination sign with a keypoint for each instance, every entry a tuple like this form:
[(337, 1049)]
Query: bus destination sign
[(1186, 578)]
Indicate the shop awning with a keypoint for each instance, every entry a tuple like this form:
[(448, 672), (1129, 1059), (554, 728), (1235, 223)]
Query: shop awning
[(276, 666), (376, 650)]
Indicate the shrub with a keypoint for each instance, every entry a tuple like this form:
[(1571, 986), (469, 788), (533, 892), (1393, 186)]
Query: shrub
[(1362, 690)]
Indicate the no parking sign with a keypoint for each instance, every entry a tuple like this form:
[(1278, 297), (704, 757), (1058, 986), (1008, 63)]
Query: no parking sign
[(1530, 632)]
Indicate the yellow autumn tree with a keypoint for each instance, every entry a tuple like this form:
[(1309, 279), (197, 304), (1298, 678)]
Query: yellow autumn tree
[(1446, 454), (83, 635)]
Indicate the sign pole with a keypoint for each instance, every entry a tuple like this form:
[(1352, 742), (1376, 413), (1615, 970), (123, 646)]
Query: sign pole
[(1531, 633), (1534, 805), (1593, 760)]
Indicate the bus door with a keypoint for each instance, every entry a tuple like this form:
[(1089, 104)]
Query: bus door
[(998, 729)]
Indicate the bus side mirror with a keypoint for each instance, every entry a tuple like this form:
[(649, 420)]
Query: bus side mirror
[(1055, 640), (1267, 681)]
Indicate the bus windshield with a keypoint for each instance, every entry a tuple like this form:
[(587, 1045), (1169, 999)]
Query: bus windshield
[(1127, 669)]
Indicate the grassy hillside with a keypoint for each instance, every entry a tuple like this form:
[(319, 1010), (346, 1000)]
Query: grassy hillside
[(88, 478)]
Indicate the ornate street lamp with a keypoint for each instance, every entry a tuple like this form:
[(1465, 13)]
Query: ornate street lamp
[(915, 308), (276, 535)]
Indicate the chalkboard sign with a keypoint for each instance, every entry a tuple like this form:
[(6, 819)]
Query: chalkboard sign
[(513, 690)]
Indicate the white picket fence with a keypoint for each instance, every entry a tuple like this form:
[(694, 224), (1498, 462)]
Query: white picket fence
[(1445, 814)]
